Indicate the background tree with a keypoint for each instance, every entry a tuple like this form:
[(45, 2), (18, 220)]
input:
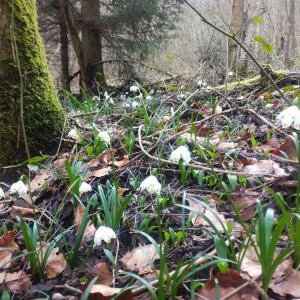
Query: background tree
[(125, 29), (24, 77)]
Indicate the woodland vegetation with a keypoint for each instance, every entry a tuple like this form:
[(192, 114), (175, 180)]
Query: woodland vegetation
[(149, 149)]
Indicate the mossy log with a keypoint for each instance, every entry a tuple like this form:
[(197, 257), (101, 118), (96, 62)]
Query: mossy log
[(43, 114), (260, 82)]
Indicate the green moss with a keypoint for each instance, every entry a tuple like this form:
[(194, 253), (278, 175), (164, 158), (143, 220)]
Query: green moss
[(43, 115)]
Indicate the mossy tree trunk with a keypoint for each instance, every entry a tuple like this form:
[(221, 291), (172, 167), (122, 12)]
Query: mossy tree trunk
[(43, 116)]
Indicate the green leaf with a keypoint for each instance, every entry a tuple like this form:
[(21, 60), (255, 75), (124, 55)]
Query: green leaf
[(258, 20), (260, 39), (32, 168), (5, 295), (170, 57), (232, 180), (172, 88), (222, 253), (83, 279), (267, 48)]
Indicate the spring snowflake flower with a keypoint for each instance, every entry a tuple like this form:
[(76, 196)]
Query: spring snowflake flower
[(230, 74), (1, 194), (18, 187), (96, 98), (105, 234), (104, 136), (140, 96), (181, 153), (148, 98), (134, 88), (84, 188), (151, 184), (289, 116), (202, 83), (135, 104), (73, 134)]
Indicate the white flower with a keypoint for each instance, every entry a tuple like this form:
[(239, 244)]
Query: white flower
[(84, 188), (230, 74), (105, 234), (134, 88), (140, 96), (135, 104), (151, 184), (148, 98), (1, 194), (73, 134), (181, 153), (96, 98), (104, 136), (202, 83), (111, 101), (18, 187), (289, 116)]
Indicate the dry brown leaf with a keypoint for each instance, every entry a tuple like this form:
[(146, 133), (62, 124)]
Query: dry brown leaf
[(250, 263), (199, 221), (40, 178), (98, 173), (121, 163), (136, 259), (55, 264), (104, 276), (103, 292), (288, 147), (289, 286), (260, 168), (22, 212), (89, 231), (7, 241), (2, 276), (228, 282), (105, 158), (94, 162), (17, 281)]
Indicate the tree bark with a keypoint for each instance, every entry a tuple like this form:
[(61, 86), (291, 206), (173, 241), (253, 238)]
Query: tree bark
[(77, 45), (92, 44), (291, 38), (42, 113), (64, 54), (236, 24)]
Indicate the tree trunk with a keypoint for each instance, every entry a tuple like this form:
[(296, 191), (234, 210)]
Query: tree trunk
[(64, 54), (236, 25), (42, 114), (77, 45), (291, 38), (92, 44)]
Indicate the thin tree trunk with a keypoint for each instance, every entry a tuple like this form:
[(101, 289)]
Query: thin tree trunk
[(92, 44), (77, 45), (291, 38), (64, 54), (236, 24)]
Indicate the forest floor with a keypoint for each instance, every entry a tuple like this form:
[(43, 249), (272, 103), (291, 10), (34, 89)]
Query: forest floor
[(221, 225)]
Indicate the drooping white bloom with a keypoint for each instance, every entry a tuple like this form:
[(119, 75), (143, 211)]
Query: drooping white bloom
[(104, 136), (148, 98), (135, 104), (134, 88), (181, 153), (289, 116), (202, 83), (96, 98), (1, 194), (105, 234), (84, 188), (73, 134), (230, 73), (151, 184), (140, 96), (18, 187)]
